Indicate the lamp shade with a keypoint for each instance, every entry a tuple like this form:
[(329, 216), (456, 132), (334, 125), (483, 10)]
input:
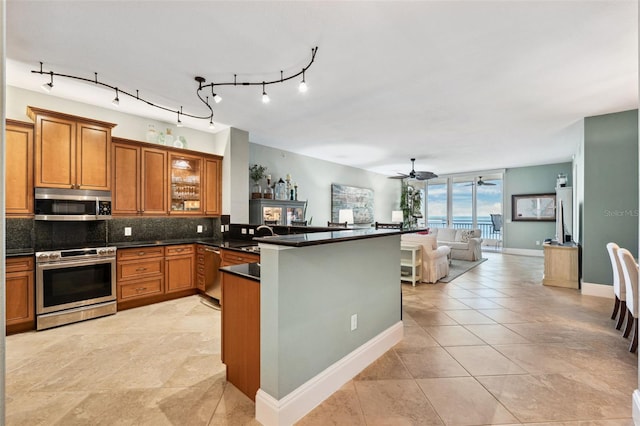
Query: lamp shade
[(397, 216), (345, 215)]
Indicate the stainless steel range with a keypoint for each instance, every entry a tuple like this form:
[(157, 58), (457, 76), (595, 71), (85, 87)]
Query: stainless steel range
[(74, 285)]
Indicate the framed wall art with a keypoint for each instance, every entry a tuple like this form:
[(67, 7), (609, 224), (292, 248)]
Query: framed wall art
[(533, 207), (360, 200)]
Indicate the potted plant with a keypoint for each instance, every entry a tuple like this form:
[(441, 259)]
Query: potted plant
[(410, 204), (256, 174)]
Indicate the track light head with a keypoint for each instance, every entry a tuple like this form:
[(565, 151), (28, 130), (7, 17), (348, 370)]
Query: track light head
[(47, 86), (217, 98), (211, 125), (179, 122), (265, 97), (303, 84), (116, 100)]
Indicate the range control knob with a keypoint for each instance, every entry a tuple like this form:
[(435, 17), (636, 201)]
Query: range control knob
[(54, 256), (111, 251), (102, 252), (43, 257)]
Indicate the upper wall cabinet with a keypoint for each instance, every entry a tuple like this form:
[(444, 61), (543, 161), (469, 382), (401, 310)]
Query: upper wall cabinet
[(19, 168), (139, 183), (151, 180), (70, 151)]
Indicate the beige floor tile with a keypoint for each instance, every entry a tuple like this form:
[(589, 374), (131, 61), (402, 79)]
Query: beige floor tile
[(453, 335), (395, 402), (504, 316), (415, 339), (469, 317), (463, 401), (539, 359), (495, 334), (39, 408), (388, 366), (480, 303), (341, 408), (483, 360), (431, 317), (431, 362), (235, 408)]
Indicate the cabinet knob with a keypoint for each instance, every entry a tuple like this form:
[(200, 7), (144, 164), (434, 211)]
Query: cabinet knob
[(141, 269), (141, 253)]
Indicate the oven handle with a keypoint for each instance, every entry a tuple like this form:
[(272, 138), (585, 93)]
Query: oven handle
[(72, 263)]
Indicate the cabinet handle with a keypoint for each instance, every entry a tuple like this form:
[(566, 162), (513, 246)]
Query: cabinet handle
[(141, 288), (141, 269), (141, 253), (179, 250)]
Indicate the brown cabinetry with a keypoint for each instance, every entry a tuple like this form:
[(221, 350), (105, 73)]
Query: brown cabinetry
[(212, 185), (241, 332), (19, 168), (233, 257), (201, 268), (140, 273), (70, 151), (139, 179), (19, 288), (180, 267), (185, 176)]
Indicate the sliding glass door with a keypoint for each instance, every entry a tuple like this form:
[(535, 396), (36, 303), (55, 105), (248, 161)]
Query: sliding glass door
[(466, 201)]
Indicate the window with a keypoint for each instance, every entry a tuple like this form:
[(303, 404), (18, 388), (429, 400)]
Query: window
[(465, 201)]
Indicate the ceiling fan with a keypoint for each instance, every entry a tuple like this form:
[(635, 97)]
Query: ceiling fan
[(415, 175), (480, 182)]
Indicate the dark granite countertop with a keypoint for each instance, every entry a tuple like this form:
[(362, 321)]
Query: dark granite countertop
[(302, 240), (250, 271), (19, 252)]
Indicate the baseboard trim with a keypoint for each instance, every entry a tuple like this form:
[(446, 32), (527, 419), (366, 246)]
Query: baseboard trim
[(599, 290), (292, 407), (524, 252), (635, 407)]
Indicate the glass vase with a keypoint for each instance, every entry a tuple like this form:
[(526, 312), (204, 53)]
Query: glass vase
[(256, 191)]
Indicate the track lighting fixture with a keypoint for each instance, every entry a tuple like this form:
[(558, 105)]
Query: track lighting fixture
[(211, 125), (47, 86), (201, 80), (179, 122), (265, 97), (303, 84), (116, 100)]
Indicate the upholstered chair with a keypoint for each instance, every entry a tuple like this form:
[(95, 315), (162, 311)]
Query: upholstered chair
[(630, 271), (435, 264), (619, 289)]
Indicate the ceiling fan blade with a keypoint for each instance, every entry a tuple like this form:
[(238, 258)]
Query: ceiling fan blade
[(400, 176), (425, 175)]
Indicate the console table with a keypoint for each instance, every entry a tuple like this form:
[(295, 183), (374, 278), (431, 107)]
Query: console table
[(411, 263), (561, 265)]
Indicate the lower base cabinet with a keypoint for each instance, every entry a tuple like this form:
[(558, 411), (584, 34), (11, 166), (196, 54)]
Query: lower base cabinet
[(153, 274), (241, 332), (19, 294)]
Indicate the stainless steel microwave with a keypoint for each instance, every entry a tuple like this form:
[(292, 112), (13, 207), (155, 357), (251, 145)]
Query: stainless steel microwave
[(72, 204)]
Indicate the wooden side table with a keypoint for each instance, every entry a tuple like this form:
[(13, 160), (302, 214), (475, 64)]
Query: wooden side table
[(411, 263)]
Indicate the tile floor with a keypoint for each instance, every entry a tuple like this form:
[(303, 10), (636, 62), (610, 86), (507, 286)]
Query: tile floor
[(491, 347)]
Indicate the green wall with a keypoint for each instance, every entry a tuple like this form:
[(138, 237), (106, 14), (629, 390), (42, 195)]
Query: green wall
[(610, 192), (530, 180)]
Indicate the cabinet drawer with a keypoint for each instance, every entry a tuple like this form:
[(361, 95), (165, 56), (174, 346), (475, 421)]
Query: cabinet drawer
[(140, 289), (18, 264), (141, 253), (230, 257), (179, 250), (145, 268)]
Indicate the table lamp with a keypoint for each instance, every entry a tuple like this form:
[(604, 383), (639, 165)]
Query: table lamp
[(345, 215), (397, 216)]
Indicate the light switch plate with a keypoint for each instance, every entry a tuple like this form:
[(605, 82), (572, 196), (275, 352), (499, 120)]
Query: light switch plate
[(127, 231), (199, 228)]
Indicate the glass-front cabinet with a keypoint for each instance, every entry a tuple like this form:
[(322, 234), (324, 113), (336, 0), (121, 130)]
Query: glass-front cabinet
[(186, 189), (282, 212)]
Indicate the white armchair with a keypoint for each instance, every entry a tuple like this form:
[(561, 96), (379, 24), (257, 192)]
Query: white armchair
[(435, 264)]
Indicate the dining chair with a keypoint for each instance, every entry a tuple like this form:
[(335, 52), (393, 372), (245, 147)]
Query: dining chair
[(630, 271), (619, 288)]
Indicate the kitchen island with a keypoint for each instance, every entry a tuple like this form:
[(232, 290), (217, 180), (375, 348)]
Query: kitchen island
[(330, 305)]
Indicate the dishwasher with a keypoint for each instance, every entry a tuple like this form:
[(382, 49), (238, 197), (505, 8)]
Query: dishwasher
[(212, 276)]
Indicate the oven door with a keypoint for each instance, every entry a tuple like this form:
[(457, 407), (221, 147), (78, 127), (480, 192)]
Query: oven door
[(71, 284)]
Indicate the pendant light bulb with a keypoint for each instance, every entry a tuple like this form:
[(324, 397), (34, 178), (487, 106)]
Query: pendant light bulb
[(265, 97), (48, 86), (211, 125), (116, 100), (303, 85), (217, 98)]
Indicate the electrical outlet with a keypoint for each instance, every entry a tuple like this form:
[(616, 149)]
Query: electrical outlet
[(538, 243), (222, 228), (251, 231), (226, 228), (354, 321), (127, 231), (199, 229), (243, 231)]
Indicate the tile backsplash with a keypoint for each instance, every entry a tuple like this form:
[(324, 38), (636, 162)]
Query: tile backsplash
[(49, 235)]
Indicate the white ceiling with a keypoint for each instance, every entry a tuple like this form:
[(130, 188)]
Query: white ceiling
[(460, 85)]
